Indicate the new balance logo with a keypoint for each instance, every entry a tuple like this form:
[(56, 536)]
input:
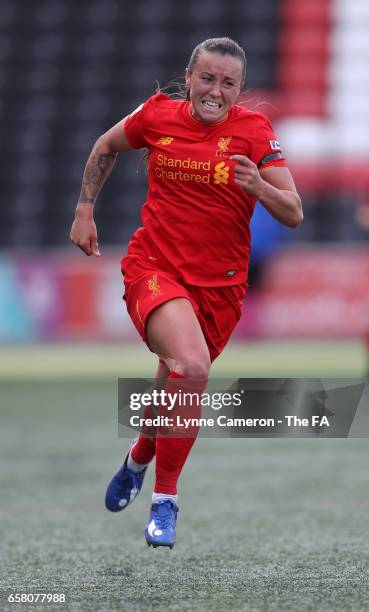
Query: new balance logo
[(165, 140), (221, 174)]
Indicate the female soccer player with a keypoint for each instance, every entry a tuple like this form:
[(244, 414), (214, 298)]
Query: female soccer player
[(185, 271)]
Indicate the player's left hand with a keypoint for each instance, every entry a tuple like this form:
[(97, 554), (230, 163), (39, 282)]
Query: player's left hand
[(246, 175)]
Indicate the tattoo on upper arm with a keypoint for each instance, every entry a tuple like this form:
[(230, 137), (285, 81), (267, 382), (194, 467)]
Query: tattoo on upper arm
[(96, 172)]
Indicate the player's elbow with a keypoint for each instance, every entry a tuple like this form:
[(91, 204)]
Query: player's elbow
[(296, 219)]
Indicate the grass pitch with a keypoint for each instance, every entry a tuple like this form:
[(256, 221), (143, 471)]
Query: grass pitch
[(264, 525), (345, 359)]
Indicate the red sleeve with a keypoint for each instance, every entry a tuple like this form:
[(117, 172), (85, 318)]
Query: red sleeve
[(139, 121), (134, 127), (266, 150)]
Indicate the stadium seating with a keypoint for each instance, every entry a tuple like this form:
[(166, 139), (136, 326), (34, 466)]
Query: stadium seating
[(68, 71)]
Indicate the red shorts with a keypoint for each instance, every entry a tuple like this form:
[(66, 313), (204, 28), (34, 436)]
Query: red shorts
[(150, 280)]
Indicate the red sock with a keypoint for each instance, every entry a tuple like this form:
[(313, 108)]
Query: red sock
[(144, 450), (171, 453)]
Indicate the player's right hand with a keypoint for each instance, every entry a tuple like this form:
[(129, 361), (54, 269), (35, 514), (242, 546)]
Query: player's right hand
[(84, 235)]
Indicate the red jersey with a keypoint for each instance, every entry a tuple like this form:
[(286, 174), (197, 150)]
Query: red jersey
[(195, 213)]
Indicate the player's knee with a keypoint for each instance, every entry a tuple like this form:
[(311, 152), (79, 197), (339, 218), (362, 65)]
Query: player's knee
[(197, 367)]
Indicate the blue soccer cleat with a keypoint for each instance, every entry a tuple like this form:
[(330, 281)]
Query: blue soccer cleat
[(161, 527), (124, 487)]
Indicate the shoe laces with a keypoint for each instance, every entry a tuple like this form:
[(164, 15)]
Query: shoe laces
[(136, 478), (165, 512)]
